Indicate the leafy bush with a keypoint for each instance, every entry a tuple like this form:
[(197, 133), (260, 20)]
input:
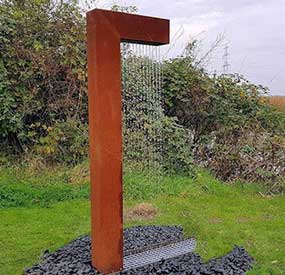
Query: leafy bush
[(43, 108), (150, 138), (65, 141), (177, 148), (234, 131), (42, 69), (247, 154), (204, 104)]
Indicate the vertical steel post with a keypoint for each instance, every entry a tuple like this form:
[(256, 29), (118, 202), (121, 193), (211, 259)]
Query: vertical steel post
[(105, 31)]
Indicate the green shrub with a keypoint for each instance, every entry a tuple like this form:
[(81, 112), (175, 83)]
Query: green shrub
[(204, 104), (177, 148), (234, 131), (247, 154), (151, 139), (65, 141), (42, 69)]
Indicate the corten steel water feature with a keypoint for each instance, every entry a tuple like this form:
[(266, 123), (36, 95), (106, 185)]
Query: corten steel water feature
[(105, 31)]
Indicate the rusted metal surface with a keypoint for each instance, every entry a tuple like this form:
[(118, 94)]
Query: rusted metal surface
[(105, 31)]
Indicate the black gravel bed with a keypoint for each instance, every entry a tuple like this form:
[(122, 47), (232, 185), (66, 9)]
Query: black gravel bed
[(140, 238), (75, 258), (237, 262)]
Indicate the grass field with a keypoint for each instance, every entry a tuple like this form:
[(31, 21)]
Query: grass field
[(46, 210)]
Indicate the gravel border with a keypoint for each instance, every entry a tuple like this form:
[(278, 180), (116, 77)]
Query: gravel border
[(75, 257)]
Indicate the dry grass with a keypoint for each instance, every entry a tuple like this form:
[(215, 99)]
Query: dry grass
[(142, 211), (277, 101), (215, 220), (79, 174), (35, 164)]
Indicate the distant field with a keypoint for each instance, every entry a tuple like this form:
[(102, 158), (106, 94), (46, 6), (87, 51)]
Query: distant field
[(277, 101)]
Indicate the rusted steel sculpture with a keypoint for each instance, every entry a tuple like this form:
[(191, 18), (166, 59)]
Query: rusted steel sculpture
[(105, 31)]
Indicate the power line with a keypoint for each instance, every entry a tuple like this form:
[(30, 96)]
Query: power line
[(226, 65)]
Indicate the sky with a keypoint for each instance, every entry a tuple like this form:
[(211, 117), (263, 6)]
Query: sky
[(253, 30)]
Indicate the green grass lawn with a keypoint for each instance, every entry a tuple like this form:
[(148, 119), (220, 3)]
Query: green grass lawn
[(54, 212)]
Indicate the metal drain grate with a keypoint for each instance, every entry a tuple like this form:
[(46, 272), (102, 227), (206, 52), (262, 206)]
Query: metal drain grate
[(157, 254)]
